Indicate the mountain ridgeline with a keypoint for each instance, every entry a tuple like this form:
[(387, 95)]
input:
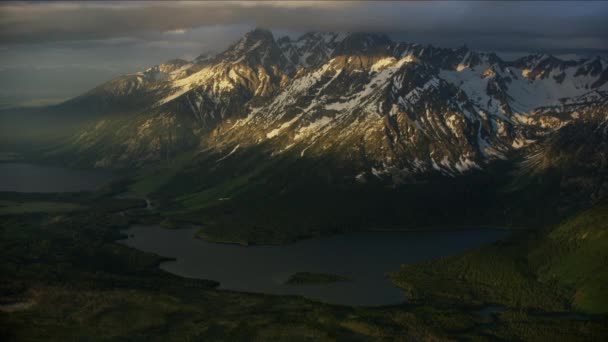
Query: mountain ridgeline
[(299, 121), (388, 110)]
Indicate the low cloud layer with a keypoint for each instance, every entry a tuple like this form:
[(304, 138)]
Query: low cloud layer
[(570, 24), (90, 42)]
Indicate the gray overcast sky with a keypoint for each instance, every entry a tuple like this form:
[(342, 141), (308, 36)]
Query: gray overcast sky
[(52, 51)]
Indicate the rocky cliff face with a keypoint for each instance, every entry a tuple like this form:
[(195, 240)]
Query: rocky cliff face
[(387, 110)]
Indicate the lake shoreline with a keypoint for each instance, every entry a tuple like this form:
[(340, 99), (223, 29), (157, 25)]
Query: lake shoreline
[(226, 241), (366, 257)]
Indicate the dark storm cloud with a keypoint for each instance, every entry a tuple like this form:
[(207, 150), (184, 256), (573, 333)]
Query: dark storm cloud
[(52, 51), (521, 24)]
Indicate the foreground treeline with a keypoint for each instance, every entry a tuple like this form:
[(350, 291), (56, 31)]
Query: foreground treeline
[(561, 269), (64, 277)]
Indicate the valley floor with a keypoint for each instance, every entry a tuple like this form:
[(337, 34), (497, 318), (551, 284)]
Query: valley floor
[(65, 278)]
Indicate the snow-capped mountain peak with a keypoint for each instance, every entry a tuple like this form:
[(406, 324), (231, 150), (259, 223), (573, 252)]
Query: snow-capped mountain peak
[(396, 108)]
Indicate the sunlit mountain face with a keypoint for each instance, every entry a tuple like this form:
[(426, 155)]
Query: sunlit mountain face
[(303, 171), (391, 110)]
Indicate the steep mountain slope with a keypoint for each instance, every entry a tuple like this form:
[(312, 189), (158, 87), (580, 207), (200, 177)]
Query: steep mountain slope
[(129, 92), (393, 115), (342, 131), (576, 157), (310, 50), (397, 110), (388, 110), (164, 106)]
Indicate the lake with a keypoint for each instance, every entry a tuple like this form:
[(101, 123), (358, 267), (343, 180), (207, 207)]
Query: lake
[(365, 257), (23, 177)]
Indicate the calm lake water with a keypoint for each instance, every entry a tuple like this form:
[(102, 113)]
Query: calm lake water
[(365, 257), (22, 177)]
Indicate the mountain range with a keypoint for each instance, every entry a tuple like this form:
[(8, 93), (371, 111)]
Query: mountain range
[(270, 122), (390, 109)]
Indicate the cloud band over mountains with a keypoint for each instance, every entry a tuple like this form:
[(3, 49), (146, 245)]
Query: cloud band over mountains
[(51, 50), (505, 23)]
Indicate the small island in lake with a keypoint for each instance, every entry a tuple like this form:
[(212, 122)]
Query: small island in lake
[(306, 278)]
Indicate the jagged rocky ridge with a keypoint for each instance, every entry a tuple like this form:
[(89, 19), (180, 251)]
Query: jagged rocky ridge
[(388, 110)]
